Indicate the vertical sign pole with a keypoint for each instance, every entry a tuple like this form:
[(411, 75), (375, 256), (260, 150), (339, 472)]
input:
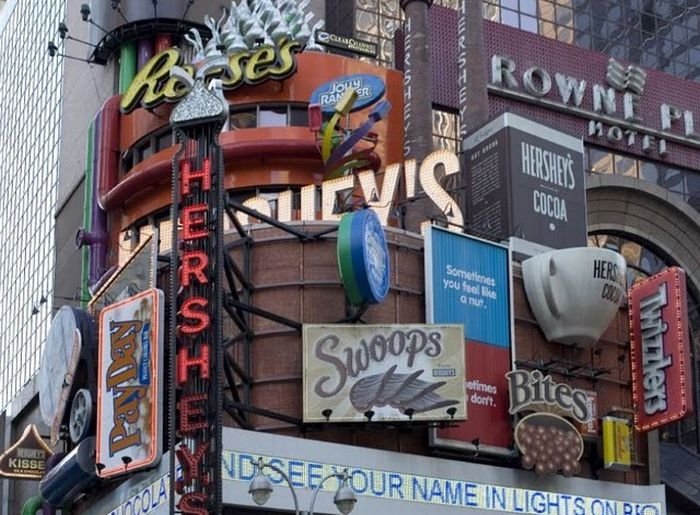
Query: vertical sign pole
[(196, 298)]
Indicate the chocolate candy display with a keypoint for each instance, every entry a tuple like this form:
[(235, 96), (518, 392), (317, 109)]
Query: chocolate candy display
[(549, 444)]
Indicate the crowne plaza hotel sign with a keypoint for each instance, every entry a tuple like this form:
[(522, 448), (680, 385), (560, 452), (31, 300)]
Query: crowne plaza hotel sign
[(660, 350)]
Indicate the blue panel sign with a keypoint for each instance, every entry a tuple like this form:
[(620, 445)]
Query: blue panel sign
[(468, 281), (368, 87)]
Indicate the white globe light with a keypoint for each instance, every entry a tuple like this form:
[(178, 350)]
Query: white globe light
[(345, 499), (260, 488)]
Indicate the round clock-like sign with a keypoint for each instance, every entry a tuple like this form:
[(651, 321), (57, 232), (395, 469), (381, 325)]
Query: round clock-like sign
[(58, 362), (363, 257)]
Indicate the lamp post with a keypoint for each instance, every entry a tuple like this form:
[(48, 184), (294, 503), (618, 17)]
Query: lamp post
[(261, 488)]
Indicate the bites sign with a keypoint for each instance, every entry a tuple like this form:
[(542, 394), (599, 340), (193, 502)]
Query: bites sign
[(660, 350)]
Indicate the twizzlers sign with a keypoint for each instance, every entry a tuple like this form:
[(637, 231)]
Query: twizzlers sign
[(660, 350)]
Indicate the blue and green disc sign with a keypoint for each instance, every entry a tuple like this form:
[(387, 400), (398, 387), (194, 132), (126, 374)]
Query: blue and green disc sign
[(363, 257)]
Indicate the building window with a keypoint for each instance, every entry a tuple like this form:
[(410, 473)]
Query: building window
[(269, 115), (445, 129), (681, 181)]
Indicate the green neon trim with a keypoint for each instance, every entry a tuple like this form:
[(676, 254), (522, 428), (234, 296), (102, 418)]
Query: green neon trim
[(87, 207), (345, 264), (127, 65)]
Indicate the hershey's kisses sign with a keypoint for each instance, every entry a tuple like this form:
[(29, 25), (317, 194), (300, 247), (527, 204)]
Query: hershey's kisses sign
[(26, 458)]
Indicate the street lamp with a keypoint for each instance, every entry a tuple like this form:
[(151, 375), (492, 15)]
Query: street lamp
[(260, 488)]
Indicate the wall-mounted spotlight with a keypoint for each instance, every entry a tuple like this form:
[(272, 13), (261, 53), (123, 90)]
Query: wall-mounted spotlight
[(53, 52), (85, 13)]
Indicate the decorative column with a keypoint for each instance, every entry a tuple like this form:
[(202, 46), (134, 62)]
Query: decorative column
[(473, 91), (418, 116)]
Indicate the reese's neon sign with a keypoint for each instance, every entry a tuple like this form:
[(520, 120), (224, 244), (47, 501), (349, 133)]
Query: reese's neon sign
[(153, 84)]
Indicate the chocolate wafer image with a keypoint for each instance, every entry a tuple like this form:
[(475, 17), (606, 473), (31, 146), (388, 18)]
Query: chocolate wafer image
[(400, 391)]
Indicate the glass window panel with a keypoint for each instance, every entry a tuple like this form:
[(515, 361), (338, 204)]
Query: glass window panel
[(564, 16), (617, 51), (509, 17), (693, 184), (528, 7), (491, 12), (625, 166), (510, 4), (600, 161), (528, 23), (546, 10), (272, 116), (649, 171), (367, 22), (582, 39), (548, 29), (164, 141), (243, 119), (565, 35), (387, 27), (299, 116), (370, 5), (674, 180)]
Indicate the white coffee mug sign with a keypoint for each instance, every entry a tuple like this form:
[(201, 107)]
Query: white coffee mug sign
[(575, 293)]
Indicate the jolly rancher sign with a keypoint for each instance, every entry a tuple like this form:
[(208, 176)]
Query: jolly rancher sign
[(355, 373)]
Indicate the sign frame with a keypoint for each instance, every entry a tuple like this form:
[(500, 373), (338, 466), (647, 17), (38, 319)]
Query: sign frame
[(675, 349), (383, 389), (435, 438), (115, 463)]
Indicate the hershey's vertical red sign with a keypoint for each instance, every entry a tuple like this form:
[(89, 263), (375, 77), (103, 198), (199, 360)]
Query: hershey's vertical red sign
[(195, 420), (660, 350)]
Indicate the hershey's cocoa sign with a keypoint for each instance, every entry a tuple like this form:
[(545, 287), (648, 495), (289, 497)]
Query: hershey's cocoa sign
[(383, 372), (660, 350)]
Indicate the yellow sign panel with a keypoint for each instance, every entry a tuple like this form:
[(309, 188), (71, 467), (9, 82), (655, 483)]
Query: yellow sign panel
[(617, 443)]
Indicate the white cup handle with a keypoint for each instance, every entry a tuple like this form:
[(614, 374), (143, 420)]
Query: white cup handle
[(547, 287)]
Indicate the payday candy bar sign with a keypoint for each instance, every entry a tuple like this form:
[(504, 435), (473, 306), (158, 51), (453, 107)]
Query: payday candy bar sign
[(130, 390), (468, 282)]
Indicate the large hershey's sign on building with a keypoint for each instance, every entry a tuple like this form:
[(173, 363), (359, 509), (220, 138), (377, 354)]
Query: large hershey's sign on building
[(526, 180)]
